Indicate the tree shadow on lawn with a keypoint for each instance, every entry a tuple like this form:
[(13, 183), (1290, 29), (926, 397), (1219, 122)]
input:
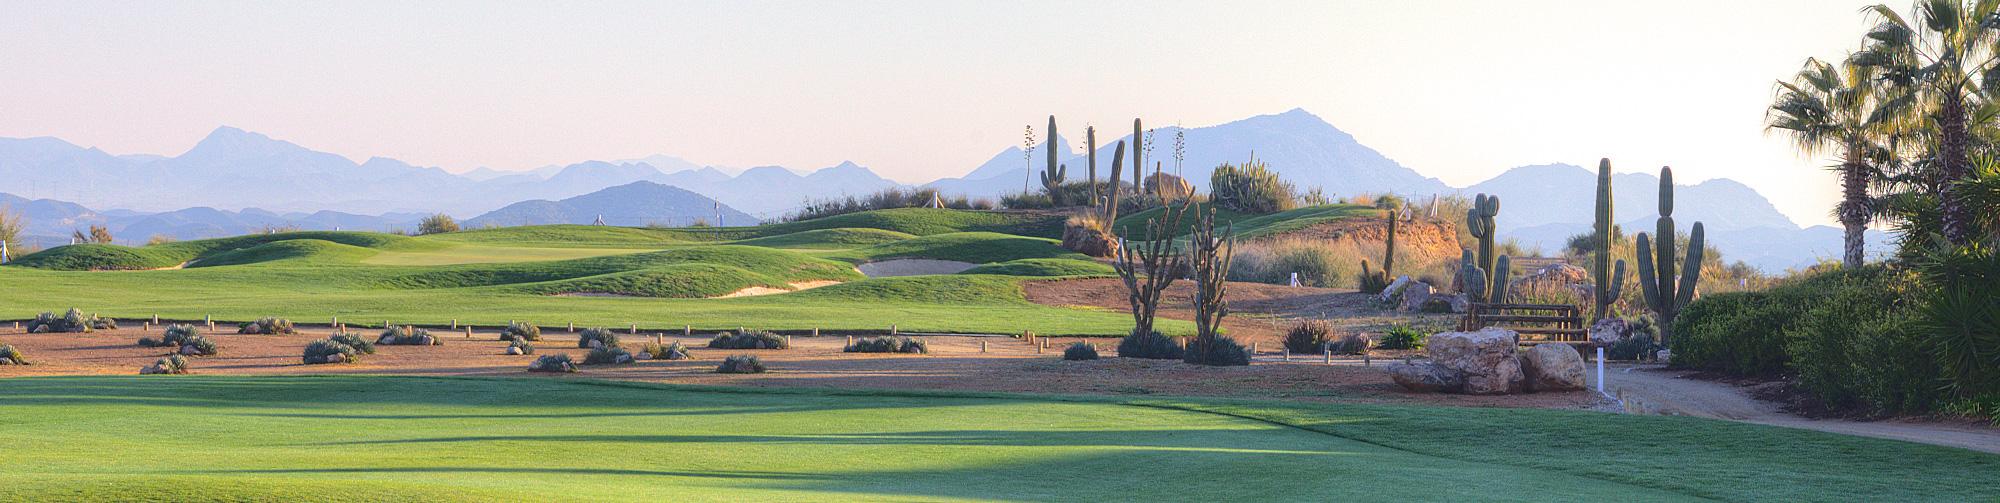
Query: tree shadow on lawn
[(1188, 440)]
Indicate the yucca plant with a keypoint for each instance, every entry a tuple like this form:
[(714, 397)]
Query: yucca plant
[(328, 351), (360, 344), (522, 331), (11, 356), (405, 335), (596, 337), (558, 362), (1309, 337), (607, 355), (749, 339), (267, 326)]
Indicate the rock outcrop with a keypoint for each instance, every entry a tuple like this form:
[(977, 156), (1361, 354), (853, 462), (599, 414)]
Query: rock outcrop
[(1553, 367)]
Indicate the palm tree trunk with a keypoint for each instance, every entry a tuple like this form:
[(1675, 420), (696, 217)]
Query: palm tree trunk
[(1854, 206), (1956, 163)]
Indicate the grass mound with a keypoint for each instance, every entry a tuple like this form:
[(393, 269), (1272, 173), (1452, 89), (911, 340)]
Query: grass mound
[(748, 339), (98, 257), (763, 265), (223, 251), (291, 252), (683, 281), (838, 238), (1044, 267), (929, 221), (741, 364), (887, 344)]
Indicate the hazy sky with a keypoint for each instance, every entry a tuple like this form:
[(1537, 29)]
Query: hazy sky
[(918, 90)]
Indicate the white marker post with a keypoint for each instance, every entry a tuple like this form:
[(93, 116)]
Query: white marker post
[(1600, 370)]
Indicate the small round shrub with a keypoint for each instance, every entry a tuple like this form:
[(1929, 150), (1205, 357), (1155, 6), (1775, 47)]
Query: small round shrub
[(197, 345), (1309, 337), (521, 345), (408, 336), (521, 331), (11, 356), (267, 326), (175, 335), (1080, 351), (607, 355), (1350, 344), (360, 345), (889, 344), (328, 351), (552, 363), (1402, 336), (670, 351), (741, 364), (596, 337), (171, 364), (749, 339), (1150, 345), (1219, 351)]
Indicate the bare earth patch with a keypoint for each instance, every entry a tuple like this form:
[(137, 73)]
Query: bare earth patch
[(762, 290)]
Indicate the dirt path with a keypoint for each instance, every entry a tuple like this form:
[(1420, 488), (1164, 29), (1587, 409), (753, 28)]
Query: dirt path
[(1652, 389)]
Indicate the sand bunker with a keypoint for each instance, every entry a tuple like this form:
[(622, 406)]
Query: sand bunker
[(912, 267), (761, 290)]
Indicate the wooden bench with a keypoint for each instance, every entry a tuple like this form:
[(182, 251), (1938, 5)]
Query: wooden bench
[(1534, 323)]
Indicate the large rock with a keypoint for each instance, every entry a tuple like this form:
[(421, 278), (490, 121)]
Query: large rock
[(1415, 295), (1461, 303), (152, 369), (1426, 377), (1485, 358), (1395, 287), (513, 351), (1553, 367), (190, 350), (1610, 330)]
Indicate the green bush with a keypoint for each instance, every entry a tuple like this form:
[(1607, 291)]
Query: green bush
[(198, 345), (1637, 346), (267, 326), (73, 321), (1861, 346), (1350, 344), (11, 356), (522, 331), (1219, 351), (1738, 333), (328, 351), (175, 335), (1402, 336), (359, 344), (889, 344), (407, 336), (741, 364), (607, 355), (749, 339), (670, 351), (552, 363), (599, 336), (1150, 345), (1250, 188), (1080, 351), (1309, 337), (171, 364), (523, 345)]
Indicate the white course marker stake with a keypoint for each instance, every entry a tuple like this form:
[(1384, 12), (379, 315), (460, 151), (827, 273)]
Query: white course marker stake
[(982, 346), (1600, 370)]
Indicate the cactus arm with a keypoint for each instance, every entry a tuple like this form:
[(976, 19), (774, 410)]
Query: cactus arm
[(1690, 272), (1647, 284), (1138, 161), (1111, 203), (1389, 248), (1610, 295), (1501, 273), (1090, 152)]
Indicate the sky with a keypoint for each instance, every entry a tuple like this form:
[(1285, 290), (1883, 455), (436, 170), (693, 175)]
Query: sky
[(919, 90)]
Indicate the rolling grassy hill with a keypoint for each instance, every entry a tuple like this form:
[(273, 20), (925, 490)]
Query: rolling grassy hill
[(372, 438)]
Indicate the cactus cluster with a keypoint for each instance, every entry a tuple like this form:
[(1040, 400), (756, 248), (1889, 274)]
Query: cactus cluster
[(1376, 281), (1484, 275), (1657, 282), (1610, 279)]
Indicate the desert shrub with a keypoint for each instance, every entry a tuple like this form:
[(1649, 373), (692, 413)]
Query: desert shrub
[(1250, 188), (437, 224), (1402, 336), (1637, 346), (1739, 333), (11, 356), (1150, 345), (1027, 201), (552, 363), (749, 339), (523, 345), (360, 345), (890, 344), (1349, 344), (328, 351), (1219, 350), (607, 354), (1080, 351), (741, 364), (1862, 346), (888, 198), (669, 351), (1308, 337), (267, 326), (73, 321), (407, 336), (522, 331), (1373, 283), (1086, 231), (1318, 263), (198, 345), (175, 335), (171, 364), (596, 337)]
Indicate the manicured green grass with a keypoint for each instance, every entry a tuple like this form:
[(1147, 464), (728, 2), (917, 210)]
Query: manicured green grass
[(366, 438), (1044, 267), (483, 254), (974, 247)]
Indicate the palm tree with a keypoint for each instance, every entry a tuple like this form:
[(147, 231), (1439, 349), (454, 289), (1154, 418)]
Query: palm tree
[(1942, 65), (1826, 110)]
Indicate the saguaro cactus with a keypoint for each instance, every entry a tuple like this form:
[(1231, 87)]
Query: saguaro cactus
[(1479, 219), (1389, 245), (1138, 158), (1610, 283), (1090, 153), (1052, 179), (1111, 201), (1656, 262)]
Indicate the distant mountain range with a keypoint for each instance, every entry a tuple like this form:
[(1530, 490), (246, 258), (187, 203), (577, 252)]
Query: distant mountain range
[(219, 185), (631, 205)]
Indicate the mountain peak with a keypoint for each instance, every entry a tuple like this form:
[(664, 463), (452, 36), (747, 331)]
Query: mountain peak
[(228, 143)]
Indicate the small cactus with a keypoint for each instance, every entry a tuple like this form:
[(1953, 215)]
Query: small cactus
[(1479, 220)]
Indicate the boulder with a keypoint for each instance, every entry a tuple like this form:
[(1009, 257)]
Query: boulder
[(190, 350), (1553, 367), (596, 344), (152, 369), (426, 340), (335, 358), (1395, 287), (1485, 358), (622, 359), (1426, 377), (643, 355), (513, 351), (1415, 295), (1461, 303), (1610, 330)]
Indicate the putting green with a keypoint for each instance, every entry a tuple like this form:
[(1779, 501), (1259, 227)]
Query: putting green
[(363, 438)]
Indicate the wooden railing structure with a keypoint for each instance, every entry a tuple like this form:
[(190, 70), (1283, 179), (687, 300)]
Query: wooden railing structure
[(1535, 323)]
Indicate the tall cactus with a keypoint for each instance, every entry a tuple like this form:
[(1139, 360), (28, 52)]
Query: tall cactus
[(1479, 219), (1657, 281), (1610, 283), (1389, 247), (1138, 161), (1111, 202), (1090, 152)]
